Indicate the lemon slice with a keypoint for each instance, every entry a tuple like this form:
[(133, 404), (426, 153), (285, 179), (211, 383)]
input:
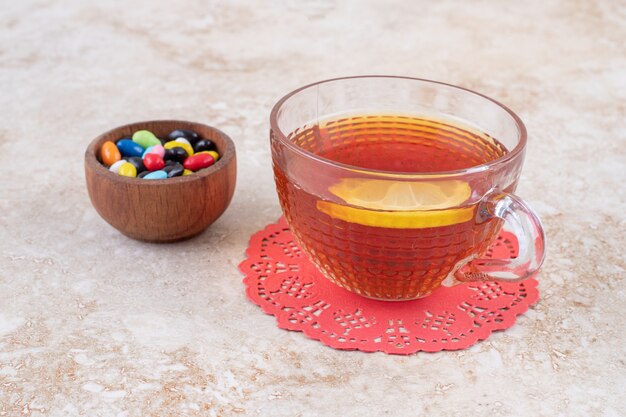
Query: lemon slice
[(401, 205)]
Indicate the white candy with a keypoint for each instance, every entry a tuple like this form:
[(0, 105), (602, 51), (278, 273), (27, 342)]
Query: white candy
[(182, 140), (116, 166)]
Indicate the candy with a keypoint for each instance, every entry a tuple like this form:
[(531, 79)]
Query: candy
[(214, 154), (190, 135), (116, 166), (138, 163), (145, 138), (183, 140), (196, 162), (159, 150), (127, 170), (174, 170), (147, 151), (175, 154), (173, 144), (156, 175), (129, 148), (153, 162), (109, 154), (145, 156), (204, 145)]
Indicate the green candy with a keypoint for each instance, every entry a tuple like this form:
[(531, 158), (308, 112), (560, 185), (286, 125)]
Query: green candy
[(145, 138)]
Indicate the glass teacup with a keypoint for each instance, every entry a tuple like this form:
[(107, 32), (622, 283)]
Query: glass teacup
[(394, 185)]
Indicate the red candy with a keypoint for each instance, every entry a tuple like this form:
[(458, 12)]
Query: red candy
[(198, 161), (153, 162)]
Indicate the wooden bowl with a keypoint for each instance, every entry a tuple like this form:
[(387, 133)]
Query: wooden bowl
[(162, 210)]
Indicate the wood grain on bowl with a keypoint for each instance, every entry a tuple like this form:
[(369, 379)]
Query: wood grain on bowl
[(162, 210)]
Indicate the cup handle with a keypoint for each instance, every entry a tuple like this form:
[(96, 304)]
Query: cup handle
[(526, 226)]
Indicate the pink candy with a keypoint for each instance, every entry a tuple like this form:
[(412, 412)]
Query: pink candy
[(158, 149)]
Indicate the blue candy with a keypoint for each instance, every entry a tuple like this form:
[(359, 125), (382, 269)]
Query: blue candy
[(156, 175), (129, 148)]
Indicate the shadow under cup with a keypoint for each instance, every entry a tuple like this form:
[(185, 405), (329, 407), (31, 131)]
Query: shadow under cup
[(391, 184)]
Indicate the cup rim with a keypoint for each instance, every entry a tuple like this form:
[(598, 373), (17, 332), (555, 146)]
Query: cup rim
[(512, 154)]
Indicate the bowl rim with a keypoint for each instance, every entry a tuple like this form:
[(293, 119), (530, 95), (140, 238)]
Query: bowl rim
[(225, 159)]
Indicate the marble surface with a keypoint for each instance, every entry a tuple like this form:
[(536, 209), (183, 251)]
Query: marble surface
[(95, 324)]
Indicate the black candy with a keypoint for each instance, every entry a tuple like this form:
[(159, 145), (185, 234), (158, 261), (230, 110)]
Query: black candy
[(174, 170), (190, 135), (177, 154), (143, 174), (204, 145), (138, 163)]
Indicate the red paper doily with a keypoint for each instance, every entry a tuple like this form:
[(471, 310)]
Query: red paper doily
[(284, 283)]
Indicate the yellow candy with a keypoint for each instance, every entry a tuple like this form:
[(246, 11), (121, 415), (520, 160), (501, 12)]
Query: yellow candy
[(187, 172), (174, 144), (214, 154), (128, 170)]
